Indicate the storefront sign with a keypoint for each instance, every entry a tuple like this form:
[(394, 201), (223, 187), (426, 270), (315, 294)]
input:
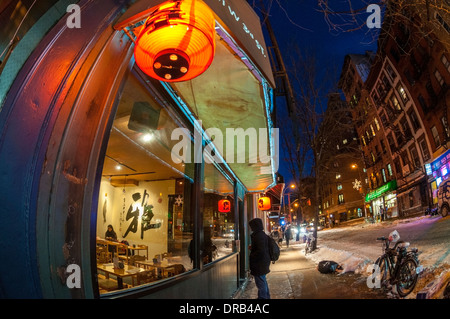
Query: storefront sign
[(438, 163), (392, 185), (245, 25)]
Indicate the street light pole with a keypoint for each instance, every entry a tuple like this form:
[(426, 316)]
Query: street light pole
[(292, 186), (363, 193)]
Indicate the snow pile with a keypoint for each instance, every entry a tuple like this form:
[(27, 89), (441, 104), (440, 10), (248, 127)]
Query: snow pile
[(349, 261)]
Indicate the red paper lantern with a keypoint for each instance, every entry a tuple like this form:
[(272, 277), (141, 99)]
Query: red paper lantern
[(224, 206), (264, 203), (177, 41)]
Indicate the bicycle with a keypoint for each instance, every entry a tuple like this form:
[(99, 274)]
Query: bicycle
[(402, 271)]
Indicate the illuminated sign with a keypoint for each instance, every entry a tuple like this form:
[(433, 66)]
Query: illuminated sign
[(392, 185)]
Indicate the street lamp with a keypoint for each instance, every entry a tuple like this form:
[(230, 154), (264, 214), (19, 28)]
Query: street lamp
[(291, 186)]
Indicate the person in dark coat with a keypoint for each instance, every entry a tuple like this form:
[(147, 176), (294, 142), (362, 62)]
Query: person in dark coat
[(259, 257)]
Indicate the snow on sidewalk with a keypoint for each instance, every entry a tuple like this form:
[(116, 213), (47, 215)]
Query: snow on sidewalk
[(361, 250)]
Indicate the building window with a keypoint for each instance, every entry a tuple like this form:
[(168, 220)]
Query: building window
[(439, 78), (437, 141), (390, 72), (377, 125), (446, 63), (389, 168), (363, 140), (423, 103), (414, 120), (372, 130), (339, 186), (338, 175), (340, 198), (383, 173), (415, 156), (217, 226), (402, 92), (394, 103), (383, 146), (442, 22), (445, 126), (424, 148)]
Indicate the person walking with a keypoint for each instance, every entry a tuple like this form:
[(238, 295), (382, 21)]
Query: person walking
[(288, 234), (259, 257)]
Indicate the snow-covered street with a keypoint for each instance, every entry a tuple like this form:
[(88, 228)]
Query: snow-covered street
[(355, 246)]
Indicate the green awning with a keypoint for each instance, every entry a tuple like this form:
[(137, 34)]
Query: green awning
[(390, 186)]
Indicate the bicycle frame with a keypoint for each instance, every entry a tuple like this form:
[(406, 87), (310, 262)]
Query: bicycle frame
[(393, 264)]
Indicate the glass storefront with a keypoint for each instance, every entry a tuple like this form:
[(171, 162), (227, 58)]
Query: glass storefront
[(144, 219), (437, 172)]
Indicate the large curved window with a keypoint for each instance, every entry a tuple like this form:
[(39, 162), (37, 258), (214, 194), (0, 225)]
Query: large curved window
[(144, 218)]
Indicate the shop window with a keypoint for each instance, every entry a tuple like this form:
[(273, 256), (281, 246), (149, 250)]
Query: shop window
[(145, 195), (218, 227)]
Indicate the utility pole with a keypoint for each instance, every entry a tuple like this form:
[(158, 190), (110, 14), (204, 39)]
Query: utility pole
[(283, 85)]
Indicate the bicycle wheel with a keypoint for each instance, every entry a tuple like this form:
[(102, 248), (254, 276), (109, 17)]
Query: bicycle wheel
[(407, 277), (383, 276)]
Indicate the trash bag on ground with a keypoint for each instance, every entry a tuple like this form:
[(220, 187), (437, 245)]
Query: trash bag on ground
[(328, 267)]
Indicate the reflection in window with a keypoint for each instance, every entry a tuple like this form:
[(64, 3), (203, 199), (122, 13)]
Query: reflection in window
[(143, 195), (218, 221)]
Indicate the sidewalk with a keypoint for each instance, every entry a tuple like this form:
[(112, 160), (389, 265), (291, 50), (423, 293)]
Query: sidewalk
[(294, 276)]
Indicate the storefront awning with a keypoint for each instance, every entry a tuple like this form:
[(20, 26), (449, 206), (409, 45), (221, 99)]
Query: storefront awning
[(233, 95), (390, 186)]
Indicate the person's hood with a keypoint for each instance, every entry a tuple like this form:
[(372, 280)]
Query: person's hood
[(256, 224)]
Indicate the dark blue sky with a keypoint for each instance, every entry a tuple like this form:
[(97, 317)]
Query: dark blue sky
[(301, 23)]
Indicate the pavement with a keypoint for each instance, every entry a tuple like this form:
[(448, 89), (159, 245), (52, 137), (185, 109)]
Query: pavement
[(294, 276)]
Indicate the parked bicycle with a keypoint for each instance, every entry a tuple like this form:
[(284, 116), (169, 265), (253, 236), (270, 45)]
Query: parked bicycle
[(398, 266), (309, 243)]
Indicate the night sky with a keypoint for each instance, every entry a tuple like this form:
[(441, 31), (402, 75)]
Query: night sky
[(300, 23)]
